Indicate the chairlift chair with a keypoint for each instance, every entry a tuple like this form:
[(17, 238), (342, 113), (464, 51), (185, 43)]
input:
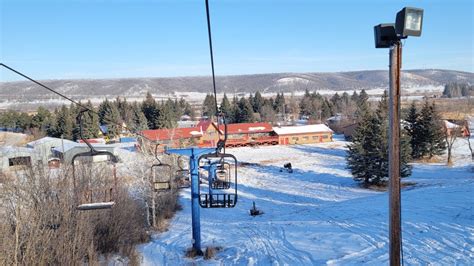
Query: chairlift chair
[(226, 196), (222, 176), (88, 197), (218, 193), (160, 174), (182, 175)]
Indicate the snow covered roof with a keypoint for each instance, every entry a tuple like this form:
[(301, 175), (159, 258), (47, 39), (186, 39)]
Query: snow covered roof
[(96, 140), (44, 140), (450, 125), (243, 128), (318, 128), (72, 145), (13, 150)]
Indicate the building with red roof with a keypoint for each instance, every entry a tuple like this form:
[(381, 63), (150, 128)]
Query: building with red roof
[(175, 137), (249, 134)]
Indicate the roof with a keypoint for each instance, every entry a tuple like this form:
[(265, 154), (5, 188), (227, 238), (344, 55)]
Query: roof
[(44, 140), (72, 145), (175, 133), (302, 129), (204, 124), (450, 125), (96, 140), (243, 128), (14, 150)]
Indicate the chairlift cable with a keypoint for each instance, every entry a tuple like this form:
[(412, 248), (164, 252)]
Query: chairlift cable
[(73, 101), (212, 56), (221, 143)]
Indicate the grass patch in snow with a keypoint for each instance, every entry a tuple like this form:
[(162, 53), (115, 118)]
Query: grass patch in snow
[(384, 186)]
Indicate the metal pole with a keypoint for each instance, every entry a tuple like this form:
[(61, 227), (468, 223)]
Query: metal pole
[(394, 156), (153, 202), (195, 208)]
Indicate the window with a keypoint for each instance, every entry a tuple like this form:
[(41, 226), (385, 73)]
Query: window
[(295, 138), (305, 138), (24, 160), (315, 137), (325, 136)]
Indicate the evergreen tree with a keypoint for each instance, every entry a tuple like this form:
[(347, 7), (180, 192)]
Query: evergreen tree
[(246, 111), (151, 111), (63, 125), (361, 153), (90, 122), (413, 130), (166, 116), (235, 111), (209, 106), (258, 102), (326, 109), (138, 121), (337, 104), (362, 105), (42, 119), (355, 97), (124, 109), (306, 104), (367, 156), (279, 104), (226, 108), (109, 116), (431, 128)]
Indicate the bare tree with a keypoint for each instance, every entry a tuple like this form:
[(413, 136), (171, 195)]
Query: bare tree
[(451, 133), (40, 225), (468, 138)]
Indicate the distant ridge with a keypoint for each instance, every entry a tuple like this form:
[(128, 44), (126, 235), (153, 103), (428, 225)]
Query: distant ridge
[(272, 82)]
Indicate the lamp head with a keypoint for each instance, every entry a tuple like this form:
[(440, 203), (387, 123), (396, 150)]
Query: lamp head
[(384, 35), (409, 22)]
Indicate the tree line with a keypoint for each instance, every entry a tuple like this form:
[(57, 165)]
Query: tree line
[(421, 136), (255, 107), (453, 90), (63, 121)]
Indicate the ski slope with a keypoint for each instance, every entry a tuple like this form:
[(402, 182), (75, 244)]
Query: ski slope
[(318, 215)]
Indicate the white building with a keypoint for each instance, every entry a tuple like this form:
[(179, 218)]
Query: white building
[(14, 158), (44, 147)]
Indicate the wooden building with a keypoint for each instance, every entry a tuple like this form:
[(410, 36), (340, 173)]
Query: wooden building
[(250, 134), (175, 137), (303, 134)]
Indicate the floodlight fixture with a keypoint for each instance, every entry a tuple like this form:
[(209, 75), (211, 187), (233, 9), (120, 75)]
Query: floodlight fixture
[(384, 35), (409, 22)]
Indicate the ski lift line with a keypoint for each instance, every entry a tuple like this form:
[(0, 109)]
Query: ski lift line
[(73, 101), (221, 144), (42, 85), (212, 56)]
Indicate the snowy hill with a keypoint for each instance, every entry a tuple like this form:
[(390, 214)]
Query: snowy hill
[(318, 215), (271, 82)]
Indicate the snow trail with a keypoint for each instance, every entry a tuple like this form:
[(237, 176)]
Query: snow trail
[(319, 215)]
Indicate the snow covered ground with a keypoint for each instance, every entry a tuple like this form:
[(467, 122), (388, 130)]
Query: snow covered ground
[(318, 215)]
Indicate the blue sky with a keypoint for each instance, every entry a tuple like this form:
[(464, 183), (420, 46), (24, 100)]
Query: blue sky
[(137, 38)]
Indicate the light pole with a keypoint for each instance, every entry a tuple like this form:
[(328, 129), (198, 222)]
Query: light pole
[(408, 22)]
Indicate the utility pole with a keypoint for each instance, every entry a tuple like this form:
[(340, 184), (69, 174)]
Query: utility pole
[(394, 155), (408, 22)]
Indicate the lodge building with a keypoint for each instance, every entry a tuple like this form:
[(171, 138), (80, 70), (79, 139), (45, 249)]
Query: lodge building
[(303, 134), (207, 133)]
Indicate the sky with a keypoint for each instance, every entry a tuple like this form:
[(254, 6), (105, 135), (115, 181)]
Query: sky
[(56, 39)]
